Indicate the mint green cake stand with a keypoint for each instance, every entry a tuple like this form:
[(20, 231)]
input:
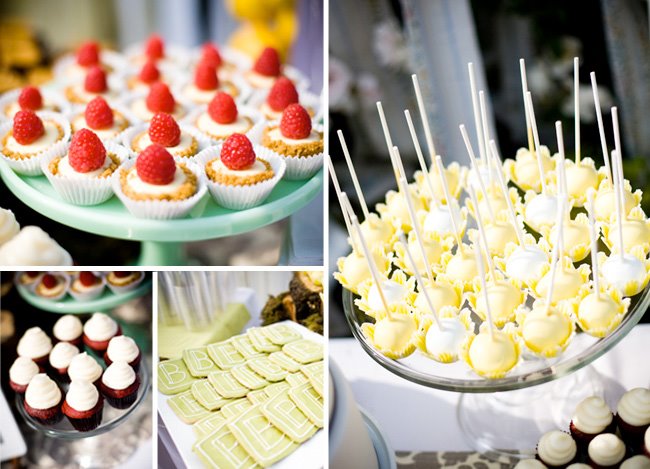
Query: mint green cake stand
[(68, 305), (161, 240)]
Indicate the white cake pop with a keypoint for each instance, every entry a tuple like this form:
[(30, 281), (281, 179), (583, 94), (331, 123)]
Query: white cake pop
[(444, 342)]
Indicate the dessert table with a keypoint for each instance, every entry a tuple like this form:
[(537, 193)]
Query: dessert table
[(419, 419)]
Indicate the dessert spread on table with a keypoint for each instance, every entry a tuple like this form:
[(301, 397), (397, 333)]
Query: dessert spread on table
[(526, 279)]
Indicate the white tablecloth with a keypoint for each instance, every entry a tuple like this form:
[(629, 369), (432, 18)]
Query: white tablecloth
[(417, 418)]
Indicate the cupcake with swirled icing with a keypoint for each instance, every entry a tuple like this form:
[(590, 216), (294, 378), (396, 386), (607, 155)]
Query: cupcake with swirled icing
[(9, 227), (99, 330), (21, 373), (84, 367), (68, 328), (35, 345), (606, 451), (556, 449), (120, 385), (530, 464), (639, 461), (123, 348), (633, 415), (592, 417), (61, 356), (43, 399), (83, 406), (33, 246)]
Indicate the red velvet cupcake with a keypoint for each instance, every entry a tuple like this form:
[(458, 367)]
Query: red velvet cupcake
[(69, 329), (606, 451), (43, 399), (83, 367), (646, 443), (123, 348), (120, 385), (83, 406), (633, 416), (99, 330), (60, 358), (36, 345), (21, 373), (592, 418)]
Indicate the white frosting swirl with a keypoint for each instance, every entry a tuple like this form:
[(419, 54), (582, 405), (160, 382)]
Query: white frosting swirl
[(42, 393), (122, 348), (100, 327), (62, 354), (592, 415), (22, 371), (556, 448), (529, 464), (578, 465), (84, 367), (67, 328), (33, 246), (634, 407), (636, 462), (34, 343), (82, 395), (9, 227), (606, 450), (119, 375)]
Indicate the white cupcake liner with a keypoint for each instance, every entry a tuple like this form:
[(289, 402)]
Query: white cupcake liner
[(132, 132), (32, 166), (159, 209), (245, 90), (253, 114), (80, 109), (50, 96), (300, 167), (243, 197), (119, 289), (81, 190), (29, 287), (87, 295), (113, 59)]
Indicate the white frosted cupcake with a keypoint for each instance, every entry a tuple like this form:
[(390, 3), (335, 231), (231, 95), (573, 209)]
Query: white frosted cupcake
[(123, 349), (556, 449), (120, 385), (606, 451), (591, 418), (633, 415), (9, 227), (639, 461), (68, 328), (33, 246), (99, 330), (43, 399), (35, 345), (85, 368), (61, 356), (83, 406), (21, 373)]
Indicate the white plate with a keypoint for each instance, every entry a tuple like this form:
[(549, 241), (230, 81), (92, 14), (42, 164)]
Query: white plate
[(310, 454)]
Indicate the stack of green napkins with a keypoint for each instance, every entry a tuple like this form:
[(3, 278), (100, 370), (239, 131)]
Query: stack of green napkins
[(252, 399)]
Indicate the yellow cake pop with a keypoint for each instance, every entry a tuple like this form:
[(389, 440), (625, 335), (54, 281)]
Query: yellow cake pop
[(576, 237), (506, 300), (460, 267), (394, 335), (395, 209), (353, 268), (441, 293), (571, 282), (492, 356), (524, 170), (546, 331), (580, 178), (434, 248), (636, 231), (606, 200), (378, 232), (453, 175)]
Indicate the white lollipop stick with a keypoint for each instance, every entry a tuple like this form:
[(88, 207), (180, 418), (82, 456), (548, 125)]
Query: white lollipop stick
[(576, 104), (561, 171), (619, 157), (470, 152), (594, 242), (424, 117), (601, 126), (445, 189), (504, 188), (486, 135), (481, 274), (384, 128), (533, 123), (619, 205), (339, 195), (418, 277), (476, 111), (482, 235), (556, 256), (524, 90), (418, 151), (353, 175)]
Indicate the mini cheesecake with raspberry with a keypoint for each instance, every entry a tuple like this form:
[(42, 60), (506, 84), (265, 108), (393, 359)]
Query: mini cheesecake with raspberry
[(164, 130), (206, 83), (222, 118), (282, 94), (31, 98), (29, 279), (52, 286), (122, 281), (294, 136), (88, 55), (105, 122), (95, 84), (87, 286), (158, 99), (266, 70), (155, 50), (147, 76)]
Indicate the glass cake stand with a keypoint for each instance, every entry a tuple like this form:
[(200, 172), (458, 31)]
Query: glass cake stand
[(162, 240), (504, 418)]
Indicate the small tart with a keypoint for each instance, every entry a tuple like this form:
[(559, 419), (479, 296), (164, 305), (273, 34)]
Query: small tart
[(188, 146), (60, 165), (56, 291), (312, 145), (79, 95), (222, 131), (273, 115), (116, 281), (16, 151), (139, 108), (12, 108), (184, 185), (120, 123), (199, 96), (259, 171)]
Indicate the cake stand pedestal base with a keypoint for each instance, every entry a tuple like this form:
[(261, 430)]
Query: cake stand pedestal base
[(506, 426), (161, 253)]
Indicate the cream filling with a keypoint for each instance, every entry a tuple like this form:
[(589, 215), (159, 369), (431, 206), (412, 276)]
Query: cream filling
[(46, 140), (68, 328), (12, 109), (185, 142), (141, 187), (119, 375), (22, 371), (79, 123), (100, 327), (206, 124), (68, 171), (62, 354), (140, 109), (275, 134), (256, 168), (87, 96), (81, 288), (258, 80), (42, 393), (269, 112), (82, 395), (197, 95), (34, 343)]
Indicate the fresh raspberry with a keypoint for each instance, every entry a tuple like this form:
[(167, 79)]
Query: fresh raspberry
[(149, 73), (155, 165), (210, 54), (86, 152), (160, 99), (87, 279), (155, 47), (49, 281), (205, 77), (295, 122), (30, 98), (282, 94), (268, 63), (164, 130), (28, 127), (88, 54), (222, 109), (237, 152), (122, 273), (95, 80), (99, 114)]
